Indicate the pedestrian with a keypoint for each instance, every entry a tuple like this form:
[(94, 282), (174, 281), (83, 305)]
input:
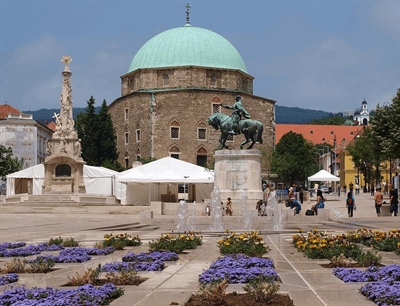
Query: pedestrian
[(266, 192), (228, 205), (350, 204), (301, 195), (394, 200), (320, 202), (378, 198), (357, 189), (344, 188), (351, 186), (338, 190), (293, 202), (372, 189)]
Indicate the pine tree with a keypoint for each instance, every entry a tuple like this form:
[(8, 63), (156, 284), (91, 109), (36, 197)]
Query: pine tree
[(99, 146), (87, 128), (107, 140)]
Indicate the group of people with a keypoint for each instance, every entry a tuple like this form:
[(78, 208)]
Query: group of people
[(378, 200), (393, 199)]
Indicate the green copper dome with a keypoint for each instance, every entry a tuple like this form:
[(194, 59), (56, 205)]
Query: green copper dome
[(188, 46)]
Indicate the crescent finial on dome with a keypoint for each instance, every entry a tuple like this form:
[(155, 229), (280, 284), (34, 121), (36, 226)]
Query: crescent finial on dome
[(187, 13)]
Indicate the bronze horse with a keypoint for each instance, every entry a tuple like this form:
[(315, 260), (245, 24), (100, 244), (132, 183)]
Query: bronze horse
[(251, 129)]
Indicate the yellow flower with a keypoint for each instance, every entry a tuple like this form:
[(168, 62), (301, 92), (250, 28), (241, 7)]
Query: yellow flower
[(226, 243)]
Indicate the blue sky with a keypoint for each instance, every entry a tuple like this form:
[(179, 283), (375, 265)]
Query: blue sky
[(325, 55)]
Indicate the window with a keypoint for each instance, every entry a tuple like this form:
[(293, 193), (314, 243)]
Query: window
[(165, 79), (126, 160), (201, 133), (213, 80), (126, 113), (175, 132), (138, 154), (138, 135), (126, 138), (216, 108), (174, 155)]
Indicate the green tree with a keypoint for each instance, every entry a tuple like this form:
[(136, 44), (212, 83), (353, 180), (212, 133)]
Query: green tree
[(365, 155), (8, 163), (333, 120), (99, 146), (86, 126), (385, 128), (294, 158)]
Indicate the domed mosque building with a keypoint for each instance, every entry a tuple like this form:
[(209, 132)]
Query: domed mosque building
[(175, 81)]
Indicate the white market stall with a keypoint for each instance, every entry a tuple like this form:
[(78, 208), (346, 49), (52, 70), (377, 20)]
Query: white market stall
[(160, 180), (323, 176), (98, 180)]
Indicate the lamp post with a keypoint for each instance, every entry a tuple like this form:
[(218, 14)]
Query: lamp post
[(386, 105), (327, 155)]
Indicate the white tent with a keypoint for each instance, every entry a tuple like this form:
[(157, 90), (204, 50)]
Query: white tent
[(152, 181), (323, 176), (97, 180)]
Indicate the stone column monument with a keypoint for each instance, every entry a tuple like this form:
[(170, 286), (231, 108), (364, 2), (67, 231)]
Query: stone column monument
[(238, 172), (64, 164)]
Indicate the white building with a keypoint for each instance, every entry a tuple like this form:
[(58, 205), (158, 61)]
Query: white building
[(24, 135), (361, 115)]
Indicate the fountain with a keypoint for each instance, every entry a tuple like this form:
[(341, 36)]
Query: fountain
[(182, 216), (247, 216), (274, 212), (216, 210), (193, 221)]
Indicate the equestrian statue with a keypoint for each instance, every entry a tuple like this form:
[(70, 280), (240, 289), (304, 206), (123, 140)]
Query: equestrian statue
[(235, 125)]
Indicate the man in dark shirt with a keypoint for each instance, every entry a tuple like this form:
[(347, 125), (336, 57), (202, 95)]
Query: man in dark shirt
[(394, 200)]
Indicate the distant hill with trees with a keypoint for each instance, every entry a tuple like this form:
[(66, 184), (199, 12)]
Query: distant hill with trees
[(283, 114)]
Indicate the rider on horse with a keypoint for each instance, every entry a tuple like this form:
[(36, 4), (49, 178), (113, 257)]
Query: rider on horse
[(238, 112)]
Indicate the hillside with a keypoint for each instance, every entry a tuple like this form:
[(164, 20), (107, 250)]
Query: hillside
[(284, 114)]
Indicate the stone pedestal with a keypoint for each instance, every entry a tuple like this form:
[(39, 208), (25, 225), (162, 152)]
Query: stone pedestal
[(237, 172)]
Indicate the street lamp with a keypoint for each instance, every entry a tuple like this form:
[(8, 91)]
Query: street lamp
[(327, 155)]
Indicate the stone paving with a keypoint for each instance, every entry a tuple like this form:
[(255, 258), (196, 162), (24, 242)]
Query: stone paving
[(303, 279)]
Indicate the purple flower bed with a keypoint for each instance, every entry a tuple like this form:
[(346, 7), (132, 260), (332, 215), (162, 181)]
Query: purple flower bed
[(20, 249), (389, 273), (8, 279), (141, 262), (384, 288), (87, 295), (77, 254), (156, 265), (238, 269), (141, 257), (382, 293)]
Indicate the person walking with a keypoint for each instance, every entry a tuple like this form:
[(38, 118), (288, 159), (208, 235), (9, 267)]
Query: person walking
[(228, 205), (351, 186), (372, 189), (301, 195), (338, 190), (378, 198), (350, 204), (394, 200)]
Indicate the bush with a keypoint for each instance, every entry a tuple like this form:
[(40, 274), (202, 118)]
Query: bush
[(175, 243), (70, 242), (120, 241), (369, 258), (90, 276), (262, 289), (213, 294), (57, 241), (251, 244)]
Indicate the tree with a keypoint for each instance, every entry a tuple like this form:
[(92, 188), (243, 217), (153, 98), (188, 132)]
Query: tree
[(107, 140), (385, 127), (333, 120), (294, 158), (99, 146), (8, 163), (366, 155)]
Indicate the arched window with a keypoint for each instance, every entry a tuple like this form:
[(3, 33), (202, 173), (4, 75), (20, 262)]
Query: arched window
[(201, 157), (126, 160), (174, 152), (201, 131)]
